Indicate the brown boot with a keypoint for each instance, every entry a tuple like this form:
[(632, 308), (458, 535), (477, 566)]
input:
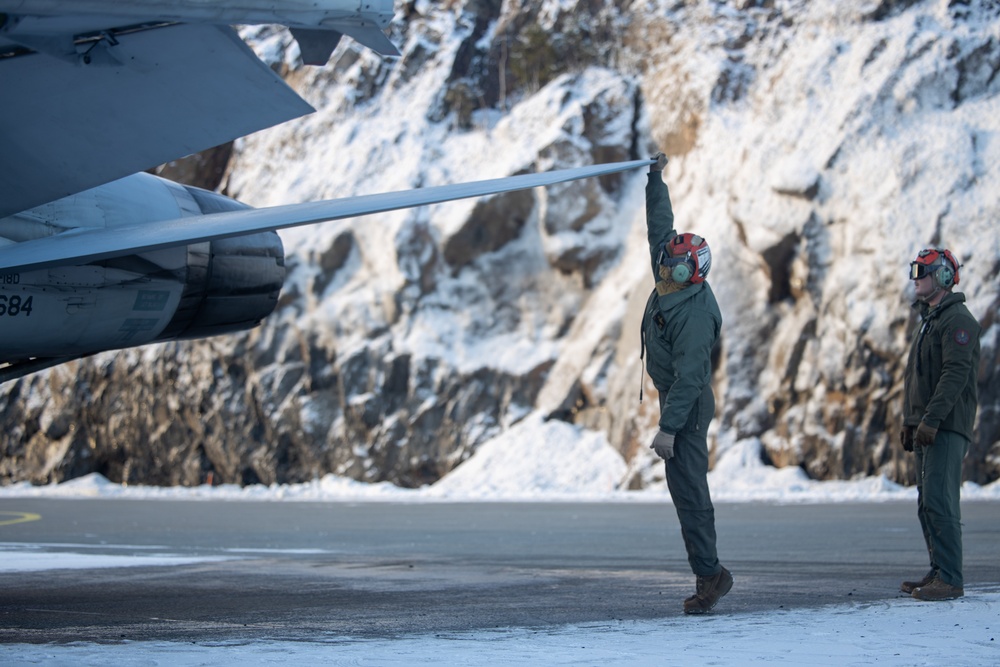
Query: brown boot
[(908, 586), (938, 590), (708, 590)]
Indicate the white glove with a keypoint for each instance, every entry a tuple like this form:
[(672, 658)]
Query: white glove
[(661, 162), (663, 445)]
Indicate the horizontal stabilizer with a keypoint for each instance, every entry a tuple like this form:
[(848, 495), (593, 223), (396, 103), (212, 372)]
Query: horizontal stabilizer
[(153, 96), (80, 246)]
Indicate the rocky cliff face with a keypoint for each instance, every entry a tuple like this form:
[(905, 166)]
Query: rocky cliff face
[(817, 145)]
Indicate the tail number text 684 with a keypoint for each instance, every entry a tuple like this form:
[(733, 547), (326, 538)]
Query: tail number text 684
[(15, 305)]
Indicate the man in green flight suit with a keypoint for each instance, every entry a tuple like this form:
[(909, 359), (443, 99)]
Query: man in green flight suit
[(939, 411), (680, 326)]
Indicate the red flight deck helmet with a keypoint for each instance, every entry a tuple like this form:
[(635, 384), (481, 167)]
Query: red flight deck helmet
[(936, 262), (688, 257)]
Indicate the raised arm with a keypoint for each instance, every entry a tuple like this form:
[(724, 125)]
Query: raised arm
[(659, 212)]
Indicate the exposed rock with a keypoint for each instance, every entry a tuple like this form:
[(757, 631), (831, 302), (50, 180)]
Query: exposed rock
[(204, 170), (495, 222)]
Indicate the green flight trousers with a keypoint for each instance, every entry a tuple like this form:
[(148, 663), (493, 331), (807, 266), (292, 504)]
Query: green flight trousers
[(687, 480), (939, 485)]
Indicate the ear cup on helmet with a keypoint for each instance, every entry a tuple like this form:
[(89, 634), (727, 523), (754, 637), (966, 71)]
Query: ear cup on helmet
[(944, 276), (681, 273)]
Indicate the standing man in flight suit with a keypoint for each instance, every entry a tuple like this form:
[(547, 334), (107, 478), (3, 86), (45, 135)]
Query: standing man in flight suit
[(939, 411), (680, 326)]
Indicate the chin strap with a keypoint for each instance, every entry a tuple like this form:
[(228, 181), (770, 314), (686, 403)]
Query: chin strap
[(937, 288)]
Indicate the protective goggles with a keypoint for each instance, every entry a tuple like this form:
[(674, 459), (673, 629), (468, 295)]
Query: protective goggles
[(922, 269), (918, 270)]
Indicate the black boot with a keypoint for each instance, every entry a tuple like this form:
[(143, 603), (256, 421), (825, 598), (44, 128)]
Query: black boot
[(708, 590)]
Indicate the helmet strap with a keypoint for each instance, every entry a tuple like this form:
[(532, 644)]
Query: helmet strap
[(937, 289)]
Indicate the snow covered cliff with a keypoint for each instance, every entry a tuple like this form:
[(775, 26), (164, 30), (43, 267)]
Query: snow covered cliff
[(816, 144)]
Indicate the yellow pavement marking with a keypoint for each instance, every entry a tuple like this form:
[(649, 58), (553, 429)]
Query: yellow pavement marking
[(18, 517)]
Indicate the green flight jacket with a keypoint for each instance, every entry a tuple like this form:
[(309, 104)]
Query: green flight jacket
[(679, 329), (941, 370)]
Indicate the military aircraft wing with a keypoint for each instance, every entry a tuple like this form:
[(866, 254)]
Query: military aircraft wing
[(82, 245), (94, 90)]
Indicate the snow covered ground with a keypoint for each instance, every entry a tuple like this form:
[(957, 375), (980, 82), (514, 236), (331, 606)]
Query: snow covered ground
[(543, 461), (897, 633)]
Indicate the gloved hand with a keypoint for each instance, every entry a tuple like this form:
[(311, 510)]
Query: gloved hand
[(661, 162), (663, 445), (924, 437), (906, 438)]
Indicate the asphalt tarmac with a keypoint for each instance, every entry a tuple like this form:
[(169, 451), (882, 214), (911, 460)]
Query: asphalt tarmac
[(342, 571)]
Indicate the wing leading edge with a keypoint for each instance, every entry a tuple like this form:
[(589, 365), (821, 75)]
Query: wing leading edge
[(80, 246)]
